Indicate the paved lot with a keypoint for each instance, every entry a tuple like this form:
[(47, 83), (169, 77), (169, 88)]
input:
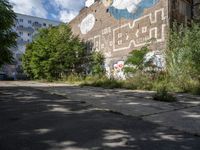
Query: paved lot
[(32, 119), (183, 115)]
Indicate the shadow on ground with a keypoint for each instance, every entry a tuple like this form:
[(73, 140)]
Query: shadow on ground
[(31, 119)]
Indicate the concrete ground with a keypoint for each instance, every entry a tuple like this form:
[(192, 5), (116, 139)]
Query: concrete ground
[(33, 116)]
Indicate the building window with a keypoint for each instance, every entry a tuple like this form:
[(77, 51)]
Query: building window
[(185, 9), (20, 33), (29, 21), (21, 26), (29, 34), (44, 24), (21, 20)]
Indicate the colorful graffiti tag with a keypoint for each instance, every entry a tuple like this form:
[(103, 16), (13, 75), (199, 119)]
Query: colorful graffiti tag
[(118, 70), (128, 9)]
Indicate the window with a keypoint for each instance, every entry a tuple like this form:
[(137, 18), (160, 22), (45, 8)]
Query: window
[(21, 20), (20, 33), (44, 24), (29, 34), (29, 21), (185, 8), (21, 26)]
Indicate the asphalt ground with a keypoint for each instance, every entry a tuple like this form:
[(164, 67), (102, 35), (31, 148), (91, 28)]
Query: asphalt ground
[(31, 119)]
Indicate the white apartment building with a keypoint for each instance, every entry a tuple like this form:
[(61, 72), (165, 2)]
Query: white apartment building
[(26, 27)]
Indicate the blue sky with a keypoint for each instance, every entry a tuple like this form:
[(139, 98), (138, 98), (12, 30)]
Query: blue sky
[(59, 10)]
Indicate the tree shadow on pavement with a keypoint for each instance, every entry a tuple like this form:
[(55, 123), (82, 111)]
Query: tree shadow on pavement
[(32, 119)]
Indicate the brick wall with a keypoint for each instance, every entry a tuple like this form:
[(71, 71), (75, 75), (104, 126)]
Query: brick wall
[(116, 33)]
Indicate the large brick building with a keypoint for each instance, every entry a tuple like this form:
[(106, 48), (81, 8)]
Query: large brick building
[(116, 27)]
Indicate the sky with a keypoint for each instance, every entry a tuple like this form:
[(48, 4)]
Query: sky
[(59, 10)]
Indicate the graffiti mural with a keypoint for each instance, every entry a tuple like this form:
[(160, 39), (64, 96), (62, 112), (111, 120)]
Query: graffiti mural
[(129, 35), (87, 24), (116, 27), (157, 58), (128, 9), (118, 71)]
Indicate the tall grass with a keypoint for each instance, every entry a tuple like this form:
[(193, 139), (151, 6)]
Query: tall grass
[(182, 72)]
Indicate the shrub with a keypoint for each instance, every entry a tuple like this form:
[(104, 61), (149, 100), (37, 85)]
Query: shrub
[(135, 60), (140, 81), (182, 57), (54, 53), (102, 82), (97, 64), (74, 78), (162, 94)]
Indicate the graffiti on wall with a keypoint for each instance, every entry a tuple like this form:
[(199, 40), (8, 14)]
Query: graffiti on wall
[(87, 24), (138, 31), (128, 9), (129, 35), (118, 71), (157, 59)]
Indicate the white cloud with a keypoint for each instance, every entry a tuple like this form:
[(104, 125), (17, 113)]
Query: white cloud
[(29, 7), (66, 16), (130, 5), (64, 10), (69, 8), (70, 4)]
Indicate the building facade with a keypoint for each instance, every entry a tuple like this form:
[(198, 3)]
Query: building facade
[(116, 27), (26, 27)]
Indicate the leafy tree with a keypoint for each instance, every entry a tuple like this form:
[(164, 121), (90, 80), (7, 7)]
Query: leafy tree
[(136, 60), (183, 56), (7, 36), (54, 53), (97, 63)]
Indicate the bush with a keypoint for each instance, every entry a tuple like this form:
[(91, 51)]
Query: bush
[(182, 57), (74, 78), (136, 60), (54, 53), (140, 81), (97, 64), (162, 94), (103, 82)]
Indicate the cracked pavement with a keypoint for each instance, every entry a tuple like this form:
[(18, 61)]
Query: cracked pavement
[(61, 116)]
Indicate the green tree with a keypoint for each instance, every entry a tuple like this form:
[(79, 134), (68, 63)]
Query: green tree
[(183, 56), (97, 63), (136, 60), (54, 53), (7, 36)]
